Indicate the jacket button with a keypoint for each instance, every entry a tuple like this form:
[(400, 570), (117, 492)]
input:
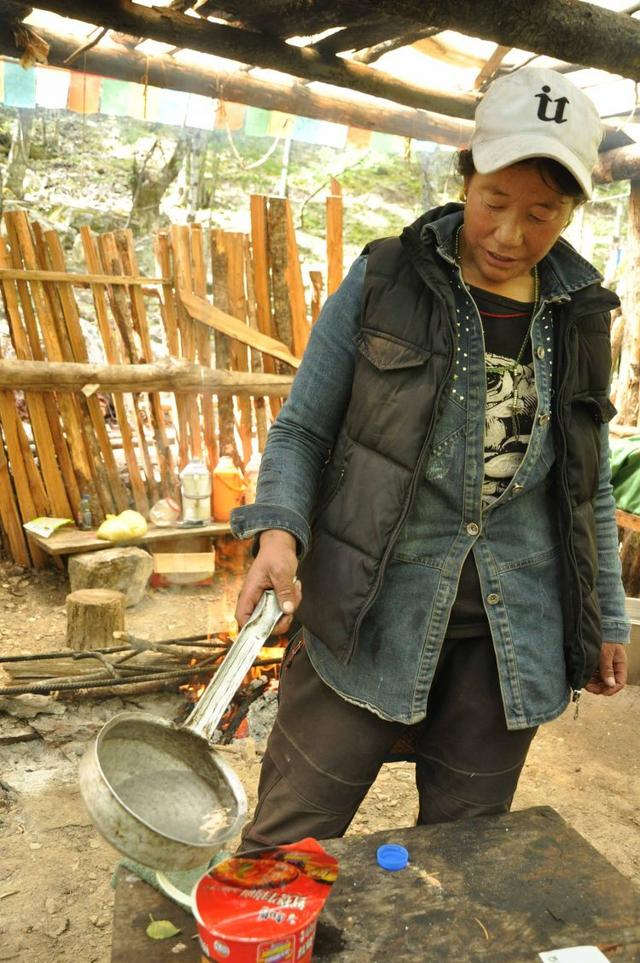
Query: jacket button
[(543, 420), (473, 528), (540, 351), (493, 599), (517, 488)]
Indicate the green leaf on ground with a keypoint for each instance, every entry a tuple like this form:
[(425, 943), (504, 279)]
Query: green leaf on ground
[(161, 930)]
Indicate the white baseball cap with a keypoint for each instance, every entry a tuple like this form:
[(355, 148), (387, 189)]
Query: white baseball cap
[(536, 112)]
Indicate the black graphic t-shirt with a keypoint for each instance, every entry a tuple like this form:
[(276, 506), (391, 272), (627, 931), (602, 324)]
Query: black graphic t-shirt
[(511, 405)]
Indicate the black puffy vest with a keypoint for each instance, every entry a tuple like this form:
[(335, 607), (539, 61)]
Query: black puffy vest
[(401, 371)]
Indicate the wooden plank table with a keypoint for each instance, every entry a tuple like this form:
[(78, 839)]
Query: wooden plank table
[(498, 889), (71, 541)]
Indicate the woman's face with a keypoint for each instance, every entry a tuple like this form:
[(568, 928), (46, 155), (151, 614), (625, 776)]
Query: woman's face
[(512, 219)]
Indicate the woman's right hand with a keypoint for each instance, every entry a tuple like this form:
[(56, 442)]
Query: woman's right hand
[(274, 567)]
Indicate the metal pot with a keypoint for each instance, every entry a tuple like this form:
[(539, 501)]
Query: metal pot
[(157, 792)]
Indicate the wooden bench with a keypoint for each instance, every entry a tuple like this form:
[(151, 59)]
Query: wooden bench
[(71, 541)]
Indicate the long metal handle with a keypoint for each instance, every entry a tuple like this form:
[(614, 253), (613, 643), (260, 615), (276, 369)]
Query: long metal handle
[(213, 702)]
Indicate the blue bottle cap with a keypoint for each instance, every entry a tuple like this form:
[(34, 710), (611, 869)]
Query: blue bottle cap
[(392, 857)]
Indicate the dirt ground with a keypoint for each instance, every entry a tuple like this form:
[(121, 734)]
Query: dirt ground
[(55, 870)]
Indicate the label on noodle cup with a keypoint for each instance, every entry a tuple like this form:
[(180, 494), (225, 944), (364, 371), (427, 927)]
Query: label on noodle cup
[(264, 908)]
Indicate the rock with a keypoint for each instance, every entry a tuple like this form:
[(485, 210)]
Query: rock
[(52, 905), (29, 706), (124, 569), (56, 926), (16, 732)]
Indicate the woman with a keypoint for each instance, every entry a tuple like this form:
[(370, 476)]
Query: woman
[(434, 498)]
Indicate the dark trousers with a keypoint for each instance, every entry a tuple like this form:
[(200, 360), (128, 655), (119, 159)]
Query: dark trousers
[(324, 753)]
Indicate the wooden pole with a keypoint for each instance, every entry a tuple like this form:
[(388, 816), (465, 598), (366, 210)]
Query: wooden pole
[(220, 274), (165, 375), (183, 275), (41, 415), (261, 282), (168, 474), (23, 251), (256, 359), (266, 50), (70, 317), (316, 300), (10, 515), (234, 246), (334, 237), (113, 356), (239, 87), (628, 401), (619, 164), (203, 343), (628, 398), (110, 261), (278, 257), (169, 310), (293, 276)]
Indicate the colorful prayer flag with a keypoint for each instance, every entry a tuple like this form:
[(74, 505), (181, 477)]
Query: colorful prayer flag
[(280, 125), (230, 115), (52, 87), (19, 86), (387, 143), (359, 137), (319, 132), (114, 97), (84, 93), (201, 111), (256, 122), (167, 106)]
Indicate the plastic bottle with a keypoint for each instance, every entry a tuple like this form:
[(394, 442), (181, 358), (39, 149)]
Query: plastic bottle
[(85, 518), (229, 489)]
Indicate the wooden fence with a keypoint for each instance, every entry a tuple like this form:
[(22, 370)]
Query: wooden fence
[(195, 360)]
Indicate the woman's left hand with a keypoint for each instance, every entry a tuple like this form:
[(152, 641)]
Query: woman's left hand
[(611, 674)]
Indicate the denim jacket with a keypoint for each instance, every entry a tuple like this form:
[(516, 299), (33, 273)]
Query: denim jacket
[(516, 546)]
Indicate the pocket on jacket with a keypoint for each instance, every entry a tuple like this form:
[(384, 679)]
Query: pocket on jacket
[(599, 406), (388, 353)]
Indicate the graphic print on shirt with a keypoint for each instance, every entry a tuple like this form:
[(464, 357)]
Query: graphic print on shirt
[(511, 406)]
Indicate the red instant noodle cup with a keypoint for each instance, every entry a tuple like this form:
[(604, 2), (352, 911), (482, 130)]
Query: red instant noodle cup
[(264, 909)]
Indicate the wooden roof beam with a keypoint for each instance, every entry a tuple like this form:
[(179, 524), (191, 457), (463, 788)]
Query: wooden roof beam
[(618, 165), (259, 50), (369, 55), (567, 29), (357, 36), (165, 72)]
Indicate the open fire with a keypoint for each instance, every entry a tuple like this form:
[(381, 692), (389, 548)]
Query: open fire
[(263, 675)]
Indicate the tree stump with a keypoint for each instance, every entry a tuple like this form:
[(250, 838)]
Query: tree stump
[(93, 615)]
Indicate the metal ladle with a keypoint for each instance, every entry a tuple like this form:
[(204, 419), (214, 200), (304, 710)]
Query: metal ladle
[(158, 792)]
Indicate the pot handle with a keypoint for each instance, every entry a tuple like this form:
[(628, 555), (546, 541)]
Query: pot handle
[(213, 702)]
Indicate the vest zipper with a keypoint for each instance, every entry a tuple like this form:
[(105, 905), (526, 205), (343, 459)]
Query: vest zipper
[(414, 483), (567, 496)]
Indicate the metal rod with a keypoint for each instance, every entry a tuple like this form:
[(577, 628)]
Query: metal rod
[(87, 654), (100, 682)]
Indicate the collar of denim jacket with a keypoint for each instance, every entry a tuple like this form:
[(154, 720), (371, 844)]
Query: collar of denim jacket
[(562, 271)]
